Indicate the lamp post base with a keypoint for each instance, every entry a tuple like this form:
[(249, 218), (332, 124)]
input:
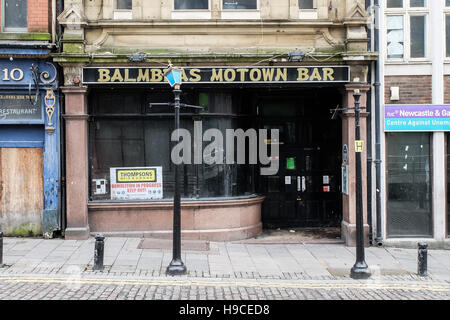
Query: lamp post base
[(176, 268), (360, 271)]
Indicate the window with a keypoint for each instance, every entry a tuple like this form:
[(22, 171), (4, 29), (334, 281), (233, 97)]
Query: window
[(191, 4), (124, 4), (306, 4), (239, 4), (409, 185), (417, 3), (126, 132), (15, 15), (406, 22), (395, 38), (417, 36), (447, 34), (447, 28), (395, 3)]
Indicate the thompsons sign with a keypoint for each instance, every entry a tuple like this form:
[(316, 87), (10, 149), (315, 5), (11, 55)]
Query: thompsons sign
[(199, 75)]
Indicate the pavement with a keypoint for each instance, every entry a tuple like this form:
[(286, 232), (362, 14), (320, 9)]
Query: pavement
[(136, 269)]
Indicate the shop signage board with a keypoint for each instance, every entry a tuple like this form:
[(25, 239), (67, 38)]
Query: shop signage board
[(14, 73), (220, 75), (16, 108), (405, 118), (136, 183)]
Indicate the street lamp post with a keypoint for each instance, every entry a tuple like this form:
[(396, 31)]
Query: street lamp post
[(360, 270), (176, 266)]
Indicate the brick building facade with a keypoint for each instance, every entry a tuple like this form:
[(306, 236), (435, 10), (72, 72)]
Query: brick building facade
[(414, 202)]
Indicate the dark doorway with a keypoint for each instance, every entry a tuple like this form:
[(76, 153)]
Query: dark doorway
[(306, 192)]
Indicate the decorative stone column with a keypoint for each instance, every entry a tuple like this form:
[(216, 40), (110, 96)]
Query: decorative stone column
[(348, 230), (76, 117)]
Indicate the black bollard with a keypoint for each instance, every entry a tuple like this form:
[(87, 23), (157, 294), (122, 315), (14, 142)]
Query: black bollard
[(1, 249), (422, 259), (99, 251)]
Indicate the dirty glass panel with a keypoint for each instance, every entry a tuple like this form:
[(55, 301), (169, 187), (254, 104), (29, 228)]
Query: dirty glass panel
[(191, 4), (409, 185), (306, 4), (395, 3), (395, 39), (447, 3), (417, 36), (124, 134), (240, 4), (447, 34), (124, 4), (15, 14)]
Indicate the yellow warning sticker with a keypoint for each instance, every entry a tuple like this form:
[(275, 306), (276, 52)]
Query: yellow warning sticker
[(138, 175), (359, 146)]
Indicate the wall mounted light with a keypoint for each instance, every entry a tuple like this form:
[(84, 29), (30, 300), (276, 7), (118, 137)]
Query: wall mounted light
[(296, 56), (395, 93)]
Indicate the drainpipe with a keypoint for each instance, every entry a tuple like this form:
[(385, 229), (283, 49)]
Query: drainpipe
[(62, 179), (369, 133), (60, 29), (379, 239)]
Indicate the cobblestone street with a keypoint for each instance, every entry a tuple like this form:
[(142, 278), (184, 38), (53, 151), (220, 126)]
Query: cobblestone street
[(38, 269), (132, 288)]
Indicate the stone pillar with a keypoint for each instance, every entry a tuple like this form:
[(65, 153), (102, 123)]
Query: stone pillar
[(76, 117), (348, 230)]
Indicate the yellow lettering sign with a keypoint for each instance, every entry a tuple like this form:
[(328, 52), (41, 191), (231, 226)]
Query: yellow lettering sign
[(184, 78), (143, 75), (268, 74), (315, 75), (359, 146), (103, 75), (255, 75), (140, 175), (217, 75), (281, 74), (127, 76), (302, 74), (157, 75), (117, 76), (195, 75), (242, 73), (229, 75), (328, 74)]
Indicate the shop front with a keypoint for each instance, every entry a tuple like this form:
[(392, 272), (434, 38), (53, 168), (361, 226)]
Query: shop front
[(120, 152), (416, 149), (29, 147)]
